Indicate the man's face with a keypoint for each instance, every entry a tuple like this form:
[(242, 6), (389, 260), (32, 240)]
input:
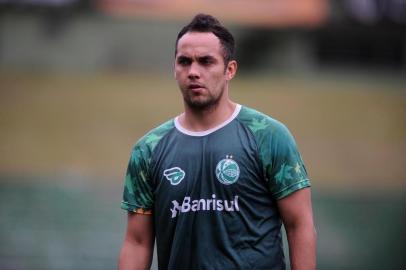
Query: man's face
[(200, 69)]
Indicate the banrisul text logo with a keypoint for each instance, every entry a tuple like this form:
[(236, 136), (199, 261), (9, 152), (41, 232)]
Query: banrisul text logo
[(175, 175), (196, 205), (227, 171)]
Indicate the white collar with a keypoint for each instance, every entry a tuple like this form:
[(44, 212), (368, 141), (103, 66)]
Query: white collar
[(207, 132)]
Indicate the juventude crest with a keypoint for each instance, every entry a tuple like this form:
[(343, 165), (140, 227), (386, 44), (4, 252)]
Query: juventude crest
[(227, 171)]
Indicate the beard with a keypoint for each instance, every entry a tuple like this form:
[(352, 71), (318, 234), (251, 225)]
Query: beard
[(205, 103)]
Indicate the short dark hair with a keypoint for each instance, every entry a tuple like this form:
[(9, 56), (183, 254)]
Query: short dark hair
[(204, 23)]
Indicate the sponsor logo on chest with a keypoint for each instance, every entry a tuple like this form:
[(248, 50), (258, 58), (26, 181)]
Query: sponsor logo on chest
[(174, 175), (227, 172), (213, 204)]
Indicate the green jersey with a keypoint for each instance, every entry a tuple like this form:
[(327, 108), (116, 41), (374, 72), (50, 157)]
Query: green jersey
[(213, 194)]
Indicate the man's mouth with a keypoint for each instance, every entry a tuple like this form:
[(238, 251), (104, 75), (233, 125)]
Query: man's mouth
[(195, 86)]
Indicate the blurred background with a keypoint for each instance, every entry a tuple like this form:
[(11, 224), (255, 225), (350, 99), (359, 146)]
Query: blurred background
[(82, 80)]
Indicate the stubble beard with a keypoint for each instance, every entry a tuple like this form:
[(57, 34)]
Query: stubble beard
[(210, 103)]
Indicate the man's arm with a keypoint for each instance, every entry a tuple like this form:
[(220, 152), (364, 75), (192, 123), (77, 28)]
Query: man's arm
[(297, 216), (137, 250)]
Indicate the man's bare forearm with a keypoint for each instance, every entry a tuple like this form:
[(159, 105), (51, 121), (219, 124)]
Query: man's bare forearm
[(135, 257), (302, 247)]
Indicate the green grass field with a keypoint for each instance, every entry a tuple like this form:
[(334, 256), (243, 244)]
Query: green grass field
[(65, 140)]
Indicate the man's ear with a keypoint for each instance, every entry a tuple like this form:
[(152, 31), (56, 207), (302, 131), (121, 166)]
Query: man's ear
[(231, 69)]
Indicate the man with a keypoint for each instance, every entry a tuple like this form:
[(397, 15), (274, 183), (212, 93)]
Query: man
[(213, 185)]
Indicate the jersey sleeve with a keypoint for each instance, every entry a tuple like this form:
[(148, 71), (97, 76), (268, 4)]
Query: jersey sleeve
[(138, 183), (284, 167), (137, 195)]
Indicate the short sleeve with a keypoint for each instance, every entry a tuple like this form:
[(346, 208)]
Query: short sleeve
[(137, 195), (284, 167), (138, 188)]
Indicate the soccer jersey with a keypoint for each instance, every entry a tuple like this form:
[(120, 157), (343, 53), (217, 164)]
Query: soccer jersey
[(213, 194)]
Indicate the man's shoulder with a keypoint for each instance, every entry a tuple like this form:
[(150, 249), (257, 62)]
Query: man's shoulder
[(152, 137), (259, 122)]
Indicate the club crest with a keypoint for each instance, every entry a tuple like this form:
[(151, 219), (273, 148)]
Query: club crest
[(227, 171)]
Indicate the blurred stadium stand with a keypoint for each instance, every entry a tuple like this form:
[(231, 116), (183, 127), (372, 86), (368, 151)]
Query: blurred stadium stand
[(293, 35)]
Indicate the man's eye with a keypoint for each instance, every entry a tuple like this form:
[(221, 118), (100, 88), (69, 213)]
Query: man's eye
[(205, 61), (183, 61)]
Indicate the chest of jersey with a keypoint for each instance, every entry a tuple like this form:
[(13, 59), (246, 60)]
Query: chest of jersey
[(210, 194), (219, 172)]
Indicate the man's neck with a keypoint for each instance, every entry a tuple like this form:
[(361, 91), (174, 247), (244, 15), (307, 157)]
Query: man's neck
[(207, 119)]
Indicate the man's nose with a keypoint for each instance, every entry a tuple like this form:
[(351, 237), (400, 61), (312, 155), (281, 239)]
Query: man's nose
[(194, 71)]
